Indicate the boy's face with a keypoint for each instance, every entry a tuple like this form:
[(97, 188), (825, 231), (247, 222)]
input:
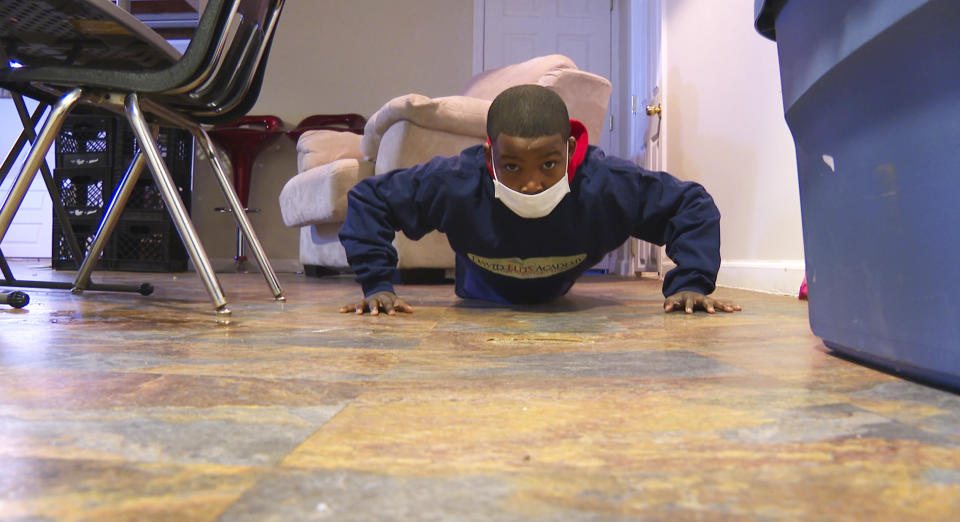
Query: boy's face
[(530, 165)]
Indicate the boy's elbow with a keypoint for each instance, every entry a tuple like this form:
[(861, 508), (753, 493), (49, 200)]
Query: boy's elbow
[(704, 204)]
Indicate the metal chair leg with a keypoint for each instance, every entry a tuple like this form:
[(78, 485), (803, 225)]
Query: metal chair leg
[(176, 208), (51, 126), (243, 221)]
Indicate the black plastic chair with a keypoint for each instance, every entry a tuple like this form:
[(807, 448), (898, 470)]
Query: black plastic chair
[(216, 80)]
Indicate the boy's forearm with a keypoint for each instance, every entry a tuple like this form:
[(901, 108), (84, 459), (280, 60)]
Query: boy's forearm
[(373, 266), (376, 208), (368, 240), (694, 245), (373, 286), (684, 279)]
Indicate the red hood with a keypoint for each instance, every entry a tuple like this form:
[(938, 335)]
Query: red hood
[(579, 132)]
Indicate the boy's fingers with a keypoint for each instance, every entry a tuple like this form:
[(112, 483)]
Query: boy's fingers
[(349, 308), (377, 305), (689, 305), (729, 307), (710, 308)]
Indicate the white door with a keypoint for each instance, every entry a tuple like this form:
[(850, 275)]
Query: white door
[(517, 30), (647, 112), (30, 233)]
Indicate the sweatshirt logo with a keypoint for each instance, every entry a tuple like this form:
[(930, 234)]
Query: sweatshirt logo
[(530, 268)]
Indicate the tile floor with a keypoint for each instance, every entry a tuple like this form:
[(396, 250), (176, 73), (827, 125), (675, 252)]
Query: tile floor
[(596, 407)]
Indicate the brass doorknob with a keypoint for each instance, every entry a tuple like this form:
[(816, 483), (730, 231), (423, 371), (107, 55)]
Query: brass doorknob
[(654, 109)]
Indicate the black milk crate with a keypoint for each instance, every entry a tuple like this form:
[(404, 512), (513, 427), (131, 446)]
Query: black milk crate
[(146, 202), (86, 141), (175, 146), (85, 228), (84, 192), (176, 149), (147, 246)]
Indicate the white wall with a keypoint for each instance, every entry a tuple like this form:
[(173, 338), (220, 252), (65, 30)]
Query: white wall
[(334, 57), (724, 127), (30, 232)]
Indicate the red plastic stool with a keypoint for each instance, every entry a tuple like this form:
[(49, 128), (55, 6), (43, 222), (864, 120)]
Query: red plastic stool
[(336, 122), (243, 140)]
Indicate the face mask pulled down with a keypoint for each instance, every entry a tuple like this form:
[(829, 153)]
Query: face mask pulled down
[(532, 206)]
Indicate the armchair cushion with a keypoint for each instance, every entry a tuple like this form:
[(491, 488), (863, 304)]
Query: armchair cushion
[(319, 195), (454, 114), (319, 147), (489, 84), (586, 95)]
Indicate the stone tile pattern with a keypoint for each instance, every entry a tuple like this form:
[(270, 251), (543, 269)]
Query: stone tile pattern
[(595, 407)]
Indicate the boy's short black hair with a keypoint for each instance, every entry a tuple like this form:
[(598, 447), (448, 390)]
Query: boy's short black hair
[(528, 111)]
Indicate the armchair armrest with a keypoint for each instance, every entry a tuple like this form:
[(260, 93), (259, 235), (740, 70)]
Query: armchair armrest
[(319, 195), (319, 147), (461, 115)]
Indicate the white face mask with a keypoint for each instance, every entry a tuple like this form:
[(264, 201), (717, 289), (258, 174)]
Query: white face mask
[(532, 205)]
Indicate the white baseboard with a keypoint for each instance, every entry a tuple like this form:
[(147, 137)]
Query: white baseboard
[(770, 277)]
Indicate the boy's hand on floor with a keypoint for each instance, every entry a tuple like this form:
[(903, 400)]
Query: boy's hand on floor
[(386, 301), (689, 301)]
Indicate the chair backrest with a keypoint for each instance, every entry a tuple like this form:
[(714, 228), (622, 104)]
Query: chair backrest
[(214, 80), (233, 90)]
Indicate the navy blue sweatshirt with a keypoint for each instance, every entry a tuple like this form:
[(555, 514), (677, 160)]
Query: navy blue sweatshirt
[(503, 257)]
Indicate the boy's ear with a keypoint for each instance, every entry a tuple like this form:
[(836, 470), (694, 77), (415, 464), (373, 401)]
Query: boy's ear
[(571, 145), (488, 152)]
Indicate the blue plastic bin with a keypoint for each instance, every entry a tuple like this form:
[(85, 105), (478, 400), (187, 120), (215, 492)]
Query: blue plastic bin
[(871, 90)]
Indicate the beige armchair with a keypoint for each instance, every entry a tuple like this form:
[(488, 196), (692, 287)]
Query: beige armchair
[(407, 131)]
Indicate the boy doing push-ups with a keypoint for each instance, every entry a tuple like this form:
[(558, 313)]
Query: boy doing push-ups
[(529, 212)]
